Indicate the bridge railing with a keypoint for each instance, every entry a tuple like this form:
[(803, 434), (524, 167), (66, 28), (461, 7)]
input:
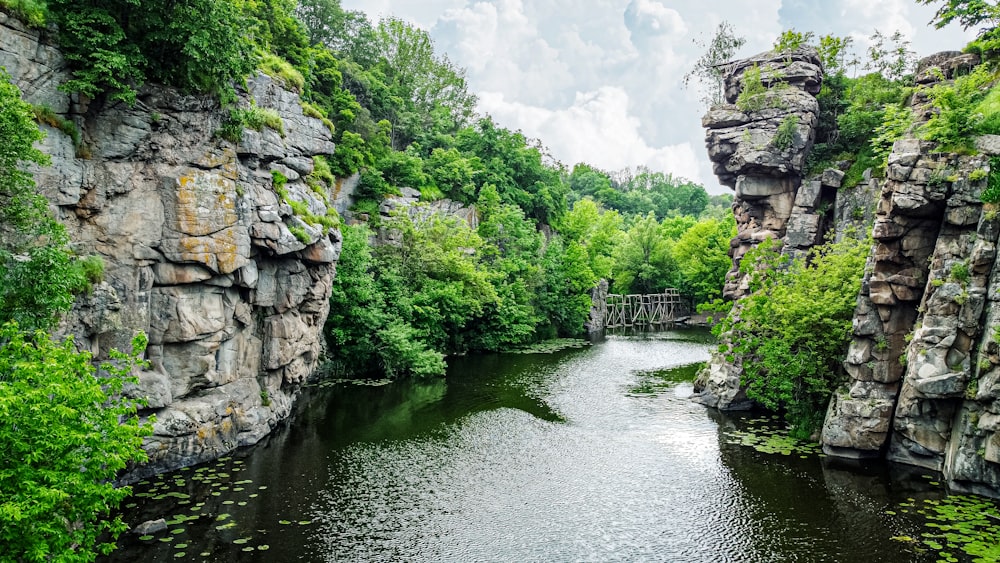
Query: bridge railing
[(642, 310)]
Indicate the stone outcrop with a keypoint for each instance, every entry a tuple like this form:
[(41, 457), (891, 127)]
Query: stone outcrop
[(924, 361), (200, 251), (764, 169), (772, 199)]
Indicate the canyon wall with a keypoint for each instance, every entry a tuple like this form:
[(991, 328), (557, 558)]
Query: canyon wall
[(202, 250), (923, 367)]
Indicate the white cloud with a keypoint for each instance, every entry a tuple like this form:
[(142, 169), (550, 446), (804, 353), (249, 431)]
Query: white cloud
[(530, 60), (650, 20), (597, 129)]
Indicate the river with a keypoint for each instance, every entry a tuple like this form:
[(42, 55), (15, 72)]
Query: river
[(588, 454)]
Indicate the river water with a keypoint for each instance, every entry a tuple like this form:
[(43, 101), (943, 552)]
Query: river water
[(587, 454)]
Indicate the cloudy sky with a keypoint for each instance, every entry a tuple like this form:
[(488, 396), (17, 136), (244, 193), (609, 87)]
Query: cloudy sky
[(600, 81)]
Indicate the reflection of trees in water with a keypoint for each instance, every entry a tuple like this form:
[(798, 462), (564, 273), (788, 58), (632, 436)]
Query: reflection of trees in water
[(819, 509)]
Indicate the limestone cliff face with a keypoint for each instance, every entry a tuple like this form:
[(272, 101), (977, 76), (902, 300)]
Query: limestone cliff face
[(924, 362), (197, 249)]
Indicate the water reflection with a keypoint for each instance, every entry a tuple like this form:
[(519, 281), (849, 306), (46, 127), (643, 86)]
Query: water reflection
[(591, 454)]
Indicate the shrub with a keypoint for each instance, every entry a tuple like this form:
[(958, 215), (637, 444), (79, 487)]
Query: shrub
[(992, 192), (895, 123), (31, 12), (71, 433), (793, 330), (960, 272), (753, 93), (253, 117), (281, 70), (300, 233), (787, 129)]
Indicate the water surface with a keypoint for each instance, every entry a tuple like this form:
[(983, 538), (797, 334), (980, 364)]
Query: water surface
[(581, 455)]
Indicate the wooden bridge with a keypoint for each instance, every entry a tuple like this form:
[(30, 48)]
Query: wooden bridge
[(642, 310)]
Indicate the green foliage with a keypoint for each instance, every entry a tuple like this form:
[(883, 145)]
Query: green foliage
[(45, 114), (252, 117), (956, 120), (784, 137), (833, 52), (968, 13), (708, 69), (642, 261), (702, 257), (753, 93), (115, 45), (793, 330), (960, 272), (310, 110), (896, 121), (992, 192), (636, 192), (890, 56), (31, 12), (65, 434), (281, 70), (300, 234), (791, 40)]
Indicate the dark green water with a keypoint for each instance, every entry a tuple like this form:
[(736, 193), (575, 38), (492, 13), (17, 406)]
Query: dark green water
[(581, 455)]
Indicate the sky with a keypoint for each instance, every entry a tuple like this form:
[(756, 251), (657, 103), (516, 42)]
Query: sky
[(601, 81)]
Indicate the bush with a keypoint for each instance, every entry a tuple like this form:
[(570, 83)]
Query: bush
[(253, 117), (31, 12), (300, 233), (65, 434), (281, 70), (784, 137), (753, 94), (992, 192), (793, 330)]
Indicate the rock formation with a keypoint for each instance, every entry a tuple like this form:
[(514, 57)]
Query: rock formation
[(198, 248), (772, 200), (924, 362)]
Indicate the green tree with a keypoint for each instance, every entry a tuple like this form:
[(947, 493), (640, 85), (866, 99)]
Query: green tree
[(968, 13), (115, 45), (702, 257), (708, 69), (792, 332), (64, 434), (642, 262), (38, 274)]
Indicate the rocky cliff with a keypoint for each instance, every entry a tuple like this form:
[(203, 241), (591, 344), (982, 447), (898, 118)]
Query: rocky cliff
[(200, 250), (924, 362)]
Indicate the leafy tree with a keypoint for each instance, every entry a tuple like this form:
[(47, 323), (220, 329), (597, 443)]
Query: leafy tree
[(793, 330), (790, 40), (115, 45), (642, 262), (702, 257), (64, 434), (890, 56), (38, 276), (708, 69), (510, 254), (968, 13), (596, 229)]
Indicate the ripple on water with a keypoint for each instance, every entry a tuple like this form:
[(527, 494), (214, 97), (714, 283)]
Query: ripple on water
[(540, 458)]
